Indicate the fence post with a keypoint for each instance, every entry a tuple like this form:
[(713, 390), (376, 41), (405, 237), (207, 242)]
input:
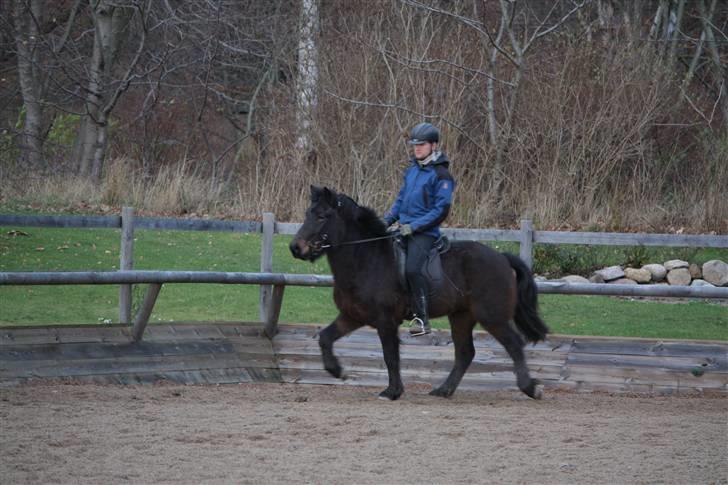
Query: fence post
[(126, 262), (274, 311), (266, 263), (526, 242), (145, 311)]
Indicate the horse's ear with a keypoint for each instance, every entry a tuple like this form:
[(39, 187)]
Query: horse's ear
[(323, 193), (315, 193), (319, 193), (329, 196)]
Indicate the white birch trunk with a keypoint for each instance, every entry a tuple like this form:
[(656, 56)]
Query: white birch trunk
[(109, 23), (307, 82)]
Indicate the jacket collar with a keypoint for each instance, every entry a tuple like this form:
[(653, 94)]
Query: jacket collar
[(440, 160)]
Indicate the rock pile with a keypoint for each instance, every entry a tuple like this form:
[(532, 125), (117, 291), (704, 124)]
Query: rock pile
[(673, 272)]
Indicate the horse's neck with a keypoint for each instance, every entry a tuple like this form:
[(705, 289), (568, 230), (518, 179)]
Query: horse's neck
[(351, 262)]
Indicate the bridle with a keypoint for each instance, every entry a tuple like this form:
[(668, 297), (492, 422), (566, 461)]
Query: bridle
[(323, 243)]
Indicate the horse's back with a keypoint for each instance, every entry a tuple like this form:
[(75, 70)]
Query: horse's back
[(479, 268), (474, 253)]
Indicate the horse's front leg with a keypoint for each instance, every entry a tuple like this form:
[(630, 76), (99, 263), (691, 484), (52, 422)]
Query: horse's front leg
[(389, 336), (340, 327)]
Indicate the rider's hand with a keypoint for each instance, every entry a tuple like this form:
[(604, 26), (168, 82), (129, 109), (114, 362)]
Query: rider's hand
[(394, 227), (405, 230)]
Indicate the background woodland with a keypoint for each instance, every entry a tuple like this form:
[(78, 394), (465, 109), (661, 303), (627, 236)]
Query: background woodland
[(596, 115)]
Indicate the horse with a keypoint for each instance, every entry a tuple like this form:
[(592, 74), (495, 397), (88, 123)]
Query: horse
[(483, 286)]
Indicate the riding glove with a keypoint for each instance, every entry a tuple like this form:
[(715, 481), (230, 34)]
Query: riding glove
[(406, 230)]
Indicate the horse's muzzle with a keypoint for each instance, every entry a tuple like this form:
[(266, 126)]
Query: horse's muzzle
[(300, 249)]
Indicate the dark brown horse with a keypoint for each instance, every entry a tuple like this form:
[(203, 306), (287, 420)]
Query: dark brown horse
[(485, 287)]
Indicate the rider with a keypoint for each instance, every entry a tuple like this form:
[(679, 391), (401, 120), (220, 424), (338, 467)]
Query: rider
[(422, 205)]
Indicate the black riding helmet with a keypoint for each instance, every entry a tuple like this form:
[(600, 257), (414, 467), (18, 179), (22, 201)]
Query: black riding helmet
[(424, 133)]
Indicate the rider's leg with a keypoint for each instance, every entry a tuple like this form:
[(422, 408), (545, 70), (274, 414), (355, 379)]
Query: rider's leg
[(418, 248)]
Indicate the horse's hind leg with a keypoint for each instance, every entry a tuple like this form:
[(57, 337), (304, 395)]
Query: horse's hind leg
[(340, 327), (462, 336), (513, 343)]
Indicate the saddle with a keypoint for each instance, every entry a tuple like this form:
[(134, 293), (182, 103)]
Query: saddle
[(433, 267)]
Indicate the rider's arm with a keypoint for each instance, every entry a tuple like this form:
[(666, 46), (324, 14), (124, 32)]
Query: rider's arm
[(392, 215)]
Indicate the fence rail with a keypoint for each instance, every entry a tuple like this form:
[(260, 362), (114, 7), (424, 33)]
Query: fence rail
[(272, 284), (135, 277), (629, 239)]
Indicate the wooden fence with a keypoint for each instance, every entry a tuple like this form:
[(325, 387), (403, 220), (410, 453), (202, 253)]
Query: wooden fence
[(239, 352), (220, 353), (272, 286)]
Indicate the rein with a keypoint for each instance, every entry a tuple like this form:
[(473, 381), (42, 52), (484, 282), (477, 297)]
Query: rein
[(358, 241)]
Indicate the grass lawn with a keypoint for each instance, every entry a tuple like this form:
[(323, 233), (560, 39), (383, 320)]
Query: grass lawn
[(41, 249)]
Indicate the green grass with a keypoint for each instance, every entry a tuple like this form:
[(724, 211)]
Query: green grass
[(97, 249)]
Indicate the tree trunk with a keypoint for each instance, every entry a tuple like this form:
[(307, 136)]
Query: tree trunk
[(490, 85), (720, 78), (27, 18), (99, 149), (109, 22), (507, 125), (307, 74), (88, 129), (657, 22), (675, 32)]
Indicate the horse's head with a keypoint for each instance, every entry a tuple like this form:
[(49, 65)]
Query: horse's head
[(320, 229)]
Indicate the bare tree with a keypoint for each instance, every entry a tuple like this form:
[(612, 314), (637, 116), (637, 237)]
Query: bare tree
[(112, 22), (307, 81), (27, 16), (706, 17)]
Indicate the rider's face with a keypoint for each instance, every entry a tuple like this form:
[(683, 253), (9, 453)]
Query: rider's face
[(424, 150)]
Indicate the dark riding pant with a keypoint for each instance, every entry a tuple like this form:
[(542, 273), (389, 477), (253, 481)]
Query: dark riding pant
[(418, 248)]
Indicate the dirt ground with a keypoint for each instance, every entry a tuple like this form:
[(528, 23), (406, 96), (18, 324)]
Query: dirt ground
[(271, 433)]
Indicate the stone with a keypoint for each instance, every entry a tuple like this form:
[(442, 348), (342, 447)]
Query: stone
[(638, 275), (610, 273), (595, 278), (679, 277), (715, 272), (675, 264), (575, 279), (623, 281), (695, 272), (539, 278), (701, 283), (658, 271)]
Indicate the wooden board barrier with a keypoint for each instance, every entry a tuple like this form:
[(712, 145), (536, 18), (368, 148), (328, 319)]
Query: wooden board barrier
[(216, 353)]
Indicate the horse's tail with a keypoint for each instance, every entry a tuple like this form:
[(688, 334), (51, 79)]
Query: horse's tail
[(527, 318)]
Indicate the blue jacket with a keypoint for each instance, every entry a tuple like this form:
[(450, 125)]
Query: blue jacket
[(425, 197)]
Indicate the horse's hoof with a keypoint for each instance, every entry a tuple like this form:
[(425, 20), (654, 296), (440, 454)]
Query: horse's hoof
[(389, 395), (440, 392), (336, 371), (534, 391)]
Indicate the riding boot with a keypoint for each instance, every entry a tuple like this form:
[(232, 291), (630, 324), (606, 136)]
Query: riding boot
[(420, 324)]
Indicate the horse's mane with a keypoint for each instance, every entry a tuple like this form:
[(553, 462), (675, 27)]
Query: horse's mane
[(367, 219)]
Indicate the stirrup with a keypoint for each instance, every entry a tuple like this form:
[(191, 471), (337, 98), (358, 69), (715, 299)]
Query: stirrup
[(418, 327)]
